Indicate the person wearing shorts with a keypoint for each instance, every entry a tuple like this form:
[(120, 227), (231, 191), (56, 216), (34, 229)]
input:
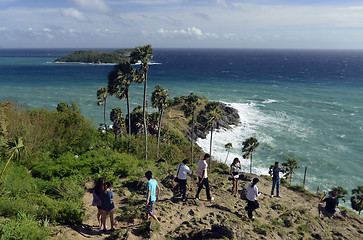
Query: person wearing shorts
[(107, 205), (152, 195)]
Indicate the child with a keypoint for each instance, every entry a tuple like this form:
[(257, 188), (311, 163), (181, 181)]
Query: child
[(107, 205), (151, 196)]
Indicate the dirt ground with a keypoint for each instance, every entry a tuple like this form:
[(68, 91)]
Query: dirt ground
[(294, 216)]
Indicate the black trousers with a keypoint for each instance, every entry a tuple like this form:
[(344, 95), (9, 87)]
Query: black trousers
[(183, 187), (251, 206), (205, 182)]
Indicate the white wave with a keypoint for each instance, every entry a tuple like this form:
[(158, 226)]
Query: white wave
[(253, 123), (270, 101)]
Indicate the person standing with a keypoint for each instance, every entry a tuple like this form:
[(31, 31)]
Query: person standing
[(107, 205), (276, 179), (330, 209), (152, 195), (235, 167), (183, 171), (203, 177), (252, 194), (97, 201)]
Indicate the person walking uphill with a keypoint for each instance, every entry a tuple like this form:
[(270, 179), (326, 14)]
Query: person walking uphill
[(203, 177), (183, 170), (252, 194), (152, 195), (276, 179)]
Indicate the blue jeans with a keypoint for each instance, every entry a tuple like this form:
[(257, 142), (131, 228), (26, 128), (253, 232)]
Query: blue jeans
[(275, 183)]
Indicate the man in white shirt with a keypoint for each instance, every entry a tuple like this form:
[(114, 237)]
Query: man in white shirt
[(203, 177)]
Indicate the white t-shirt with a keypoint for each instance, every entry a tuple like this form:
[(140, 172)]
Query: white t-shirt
[(183, 171), (252, 192), (202, 165)]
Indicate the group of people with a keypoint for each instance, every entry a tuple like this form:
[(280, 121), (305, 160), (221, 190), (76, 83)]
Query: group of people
[(103, 195), (103, 200)]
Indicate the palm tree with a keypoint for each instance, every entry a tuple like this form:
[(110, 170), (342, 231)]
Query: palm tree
[(118, 121), (102, 94), (119, 81), (249, 145), (228, 146), (159, 100), (357, 199), (209, 117), (15, 149), (290, 165), (340, 192), (191, 103), (143, 55)]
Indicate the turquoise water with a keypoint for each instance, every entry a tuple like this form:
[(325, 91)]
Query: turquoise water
[(299, 104)]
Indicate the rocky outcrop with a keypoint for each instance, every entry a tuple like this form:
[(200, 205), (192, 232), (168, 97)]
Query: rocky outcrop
[(230, 117)]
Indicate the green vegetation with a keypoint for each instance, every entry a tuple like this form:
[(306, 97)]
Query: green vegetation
[(357, 199), (93, 56), (249, 145)]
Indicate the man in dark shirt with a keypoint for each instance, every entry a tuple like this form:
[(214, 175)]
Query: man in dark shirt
[(330, 209)]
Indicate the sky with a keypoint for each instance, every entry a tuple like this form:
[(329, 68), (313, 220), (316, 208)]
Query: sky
[(290, 24)]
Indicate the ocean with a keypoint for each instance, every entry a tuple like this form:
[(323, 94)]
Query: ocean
[(302, 104)]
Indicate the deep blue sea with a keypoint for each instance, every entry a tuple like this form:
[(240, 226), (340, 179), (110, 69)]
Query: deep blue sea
[(303, 104)]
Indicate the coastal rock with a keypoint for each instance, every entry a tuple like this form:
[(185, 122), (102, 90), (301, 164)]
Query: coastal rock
[(230, 117)]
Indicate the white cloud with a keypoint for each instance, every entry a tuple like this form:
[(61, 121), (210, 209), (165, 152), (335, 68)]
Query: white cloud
[(92, 5), (2, 29), (189, 32), (73, 13)]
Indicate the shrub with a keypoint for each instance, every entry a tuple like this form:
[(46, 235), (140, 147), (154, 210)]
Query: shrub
[(24, 226)]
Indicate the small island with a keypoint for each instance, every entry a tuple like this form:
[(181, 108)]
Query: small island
[(96, 57)]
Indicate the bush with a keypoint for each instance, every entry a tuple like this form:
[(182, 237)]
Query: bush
[(24, 226)]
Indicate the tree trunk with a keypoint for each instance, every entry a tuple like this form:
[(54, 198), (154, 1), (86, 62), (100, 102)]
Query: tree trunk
[(7, 164), (227, 156), (104, 115), (144, 113), (192, 139), (251, 164), (129, 116), (210, 148), (161, 115)]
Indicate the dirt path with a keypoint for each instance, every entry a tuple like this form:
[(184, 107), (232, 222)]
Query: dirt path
[(89, 228)]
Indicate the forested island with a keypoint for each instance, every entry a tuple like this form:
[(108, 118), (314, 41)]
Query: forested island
[(96, 57), (50, 160)]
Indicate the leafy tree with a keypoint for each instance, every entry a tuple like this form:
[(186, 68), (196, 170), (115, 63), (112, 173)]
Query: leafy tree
[(118, 121), (248, 146), (340, 192), (143, 55), (191, 103), (209, 118), (15, 148), (159, 100), (290, 165), (228, 146), (357, 199), (102, 94), (119, 81)]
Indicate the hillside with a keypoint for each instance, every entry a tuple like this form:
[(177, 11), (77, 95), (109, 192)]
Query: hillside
[(294, 216)]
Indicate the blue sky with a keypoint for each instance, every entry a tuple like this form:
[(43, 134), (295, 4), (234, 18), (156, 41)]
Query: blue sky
[(313, 24)]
